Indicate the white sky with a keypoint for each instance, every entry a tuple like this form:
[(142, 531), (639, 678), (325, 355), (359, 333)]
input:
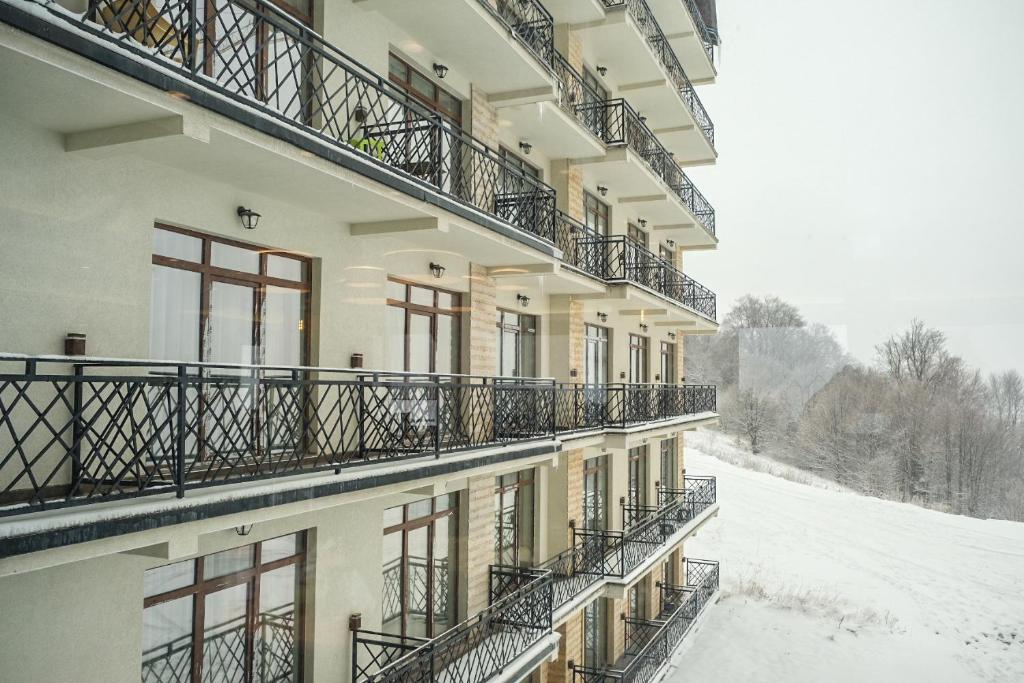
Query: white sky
[(871, 167)]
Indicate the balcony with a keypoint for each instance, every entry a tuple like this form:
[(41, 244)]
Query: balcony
[(691, 38), (353, 138), (555, 125), (650, 643), (597, 556), (645, 178), (645, 68), (83, 431), (510, 637), (517, 37)]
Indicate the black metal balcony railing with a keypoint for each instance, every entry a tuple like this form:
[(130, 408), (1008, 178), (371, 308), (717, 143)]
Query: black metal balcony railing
[(83, 431), (518, 617), (645, 529), (708, 36), (679, 506), (650, 643), (575, 93), (531, 22), (252, 53), (619, 257), (622, 125), (655, 37)]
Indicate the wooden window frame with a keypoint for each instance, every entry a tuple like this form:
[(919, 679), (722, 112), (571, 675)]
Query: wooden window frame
[(201, 587), (523, 478), (520, 332), (434, 103), (412, 524), (259, 281), (603, 212), (433, 312)]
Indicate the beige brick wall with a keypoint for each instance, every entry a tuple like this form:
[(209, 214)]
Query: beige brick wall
[(479, 541), (483, 317), (617, 629), (570, 649), (653, 592), (484, 122), (680, 356), (574, 494), (680, 460)]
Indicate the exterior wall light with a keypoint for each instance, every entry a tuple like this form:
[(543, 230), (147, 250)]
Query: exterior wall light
[(243, 529), (441, 70), (643, 326), (642, 222), (670, 243), (523, 300), (437, 269), (603, 317), (643, 119), (603, 70), (250, 219), (526, 147), (602, 190), (671, 335)]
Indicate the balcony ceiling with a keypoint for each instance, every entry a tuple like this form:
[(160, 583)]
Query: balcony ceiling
[(670, 119), (460, 33), (679, 28), (549, 128), (575, 11), (616, 43)]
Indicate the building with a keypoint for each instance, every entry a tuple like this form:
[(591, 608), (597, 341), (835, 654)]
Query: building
[(343, 339)]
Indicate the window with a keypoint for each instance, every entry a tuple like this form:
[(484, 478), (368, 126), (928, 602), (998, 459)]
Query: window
[(223, 301), (666, 254), (593, 109), (637, 234), (636, 495), (520, 164), (668, 363), (595, 214), (638, 359), (595, 492), (667, 477), (423, 326), (513, 519), (517, 344), (638, 600), (424, 89), (668, 571), (235, 615), (596, 339), (595, 85), (420, 568), (594, 619)]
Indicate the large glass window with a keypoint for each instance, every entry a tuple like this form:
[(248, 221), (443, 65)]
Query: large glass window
[(636, 494), (668, 363), (226, 302), (638, 235), (595, 492), (514, 519), (232, 616), (638, 600), (420, 567), (668, 464), (597, 354), (639, 359), (517, 344), (595, 214), (594, 625), (423, 328)]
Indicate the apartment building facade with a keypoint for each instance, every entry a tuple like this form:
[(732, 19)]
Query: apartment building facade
[(344, 339)]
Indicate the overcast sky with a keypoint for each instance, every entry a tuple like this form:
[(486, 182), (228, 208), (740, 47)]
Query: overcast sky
[(871, 167)]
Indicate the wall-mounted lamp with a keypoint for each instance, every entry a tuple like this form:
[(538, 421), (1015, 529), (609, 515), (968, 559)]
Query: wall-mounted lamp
[(602, 190), (643, 119), (643, 326), (441, 70), (526, 147), (622, 375), (243, 529), (642, 222), (603, 70), (603, 317), (573, 373), (359, 113), (671, 335), (523, 300), (670, 243), (249, 218), (657, 377), (437, 269)]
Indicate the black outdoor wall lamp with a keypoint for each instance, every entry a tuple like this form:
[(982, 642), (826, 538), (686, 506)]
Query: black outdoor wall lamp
[(249, 218), (441, 70), (671, 335), (437, 269), (603, 317), (643, 326), (602, 190), (243, 529), (526, 147), (523, 300), (642, 222), (603, 70)]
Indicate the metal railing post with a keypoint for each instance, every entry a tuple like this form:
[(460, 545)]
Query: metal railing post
[(437, 418), (76, 426), (180, 446)]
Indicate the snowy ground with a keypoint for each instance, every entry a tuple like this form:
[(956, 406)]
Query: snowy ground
[(820, 584)]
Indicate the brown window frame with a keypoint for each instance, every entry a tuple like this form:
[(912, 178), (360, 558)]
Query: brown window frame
[(201, 587), (601, 211), (642, 346), (667, 365), (636, 482), (432, 103), (638, 235), (433, 312), (598, 467), (411, 524), (523, 478), (259, 281), (521, 331)]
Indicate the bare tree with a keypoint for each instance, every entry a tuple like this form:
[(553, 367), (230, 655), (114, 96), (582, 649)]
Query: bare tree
[(754, 417), (751, 312)]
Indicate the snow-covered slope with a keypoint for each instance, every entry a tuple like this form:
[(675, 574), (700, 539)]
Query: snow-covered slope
[(820, 584)]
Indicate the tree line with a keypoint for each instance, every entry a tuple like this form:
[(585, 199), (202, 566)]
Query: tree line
[(919, 425)]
